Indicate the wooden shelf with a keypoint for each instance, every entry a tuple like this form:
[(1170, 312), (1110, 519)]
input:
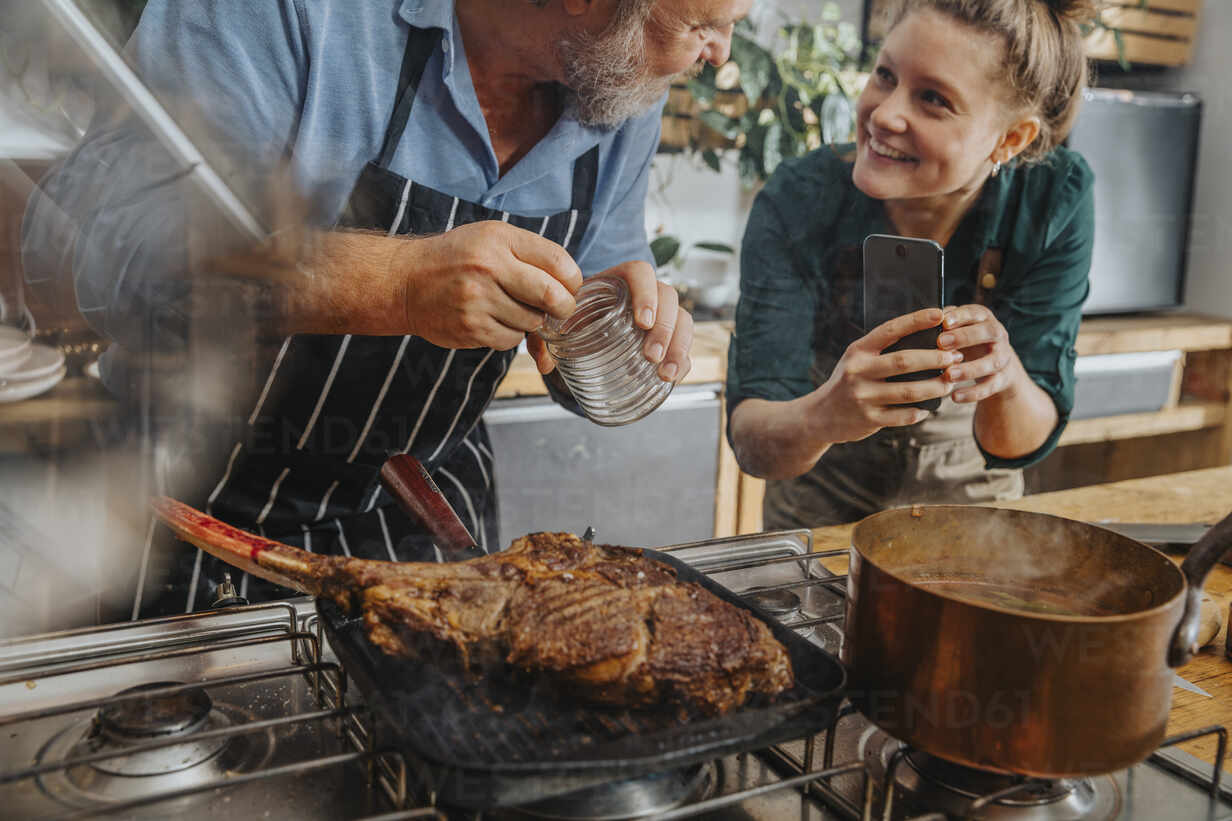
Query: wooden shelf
[(1186, 416), (75, 399), (1197, 433), (1153, 32), (1133, 334)]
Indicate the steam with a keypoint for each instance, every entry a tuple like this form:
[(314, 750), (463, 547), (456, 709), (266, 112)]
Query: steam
[(1024, 551), (69, 548), (75, 524)]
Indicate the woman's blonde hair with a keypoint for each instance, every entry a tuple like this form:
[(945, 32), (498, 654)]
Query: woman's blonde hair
[(1045, 60)]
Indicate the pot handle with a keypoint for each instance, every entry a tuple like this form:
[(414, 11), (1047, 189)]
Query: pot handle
[(1197, 566)]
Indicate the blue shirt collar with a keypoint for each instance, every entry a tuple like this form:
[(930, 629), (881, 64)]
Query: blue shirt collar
[(441, 14), (426, 14)]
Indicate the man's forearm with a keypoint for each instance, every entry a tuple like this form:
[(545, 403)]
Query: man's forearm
[(328, 282), (350, 286)]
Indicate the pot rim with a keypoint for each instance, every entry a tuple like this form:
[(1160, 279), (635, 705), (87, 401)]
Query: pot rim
[(1116, 618)]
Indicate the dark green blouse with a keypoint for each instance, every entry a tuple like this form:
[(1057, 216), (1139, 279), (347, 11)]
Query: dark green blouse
[(801, 286)]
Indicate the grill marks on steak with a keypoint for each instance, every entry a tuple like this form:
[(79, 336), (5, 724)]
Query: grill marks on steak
[(590, 635), (713, 653), (613, 625), (466, 611)]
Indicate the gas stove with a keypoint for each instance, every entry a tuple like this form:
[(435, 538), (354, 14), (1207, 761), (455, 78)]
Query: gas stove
[(245, 710), (239, 711)]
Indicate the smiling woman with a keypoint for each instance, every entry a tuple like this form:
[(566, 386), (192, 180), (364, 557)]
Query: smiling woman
[(957, 141)]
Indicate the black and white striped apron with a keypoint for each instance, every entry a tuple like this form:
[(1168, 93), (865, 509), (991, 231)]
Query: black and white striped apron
[(334, 408)]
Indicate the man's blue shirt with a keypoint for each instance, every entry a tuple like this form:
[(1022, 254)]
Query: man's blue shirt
[(308, 84), (316, 79)]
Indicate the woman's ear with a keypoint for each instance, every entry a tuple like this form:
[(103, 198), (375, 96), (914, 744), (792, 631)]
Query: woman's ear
[(1020, 135)]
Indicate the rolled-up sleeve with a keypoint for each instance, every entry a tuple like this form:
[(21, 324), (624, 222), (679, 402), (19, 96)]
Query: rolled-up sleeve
[(117, 214), (1042, 315), (617, 232)]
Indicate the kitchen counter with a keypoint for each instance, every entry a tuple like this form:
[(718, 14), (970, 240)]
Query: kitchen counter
[(83, 399), (1195, 496)]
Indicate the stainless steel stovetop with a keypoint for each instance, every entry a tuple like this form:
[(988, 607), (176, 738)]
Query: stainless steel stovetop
[(243, 711)]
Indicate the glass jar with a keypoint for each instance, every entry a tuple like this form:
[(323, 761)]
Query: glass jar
[(598, 351)]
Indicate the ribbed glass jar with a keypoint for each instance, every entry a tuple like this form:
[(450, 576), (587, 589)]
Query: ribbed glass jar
[(598, 351)]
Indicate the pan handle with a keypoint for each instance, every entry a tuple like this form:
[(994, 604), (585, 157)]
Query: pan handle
[(1197, 566)]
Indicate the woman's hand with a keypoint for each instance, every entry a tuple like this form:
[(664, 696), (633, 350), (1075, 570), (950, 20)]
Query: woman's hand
[(988, 358), (1014, 415), (857, 401), (781, 440)]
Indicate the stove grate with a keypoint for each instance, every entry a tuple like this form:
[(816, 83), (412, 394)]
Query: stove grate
[(385, 770), (798, 766), (819, 769), (1214, 786)]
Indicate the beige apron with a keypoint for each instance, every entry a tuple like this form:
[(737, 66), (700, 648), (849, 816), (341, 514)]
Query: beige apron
[(935, 461)]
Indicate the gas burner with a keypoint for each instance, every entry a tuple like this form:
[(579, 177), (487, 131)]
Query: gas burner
[(784, 605), (635, 798), (925, 783), (181, 713), (127, 731)]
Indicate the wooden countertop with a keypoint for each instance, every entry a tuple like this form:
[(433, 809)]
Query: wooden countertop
[(1186, 332), (80, 399), (1098, 335), (1196, 496)]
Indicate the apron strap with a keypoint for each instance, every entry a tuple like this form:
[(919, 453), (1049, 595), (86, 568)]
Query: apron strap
[(585, 179), (420, 44), (987, 273)]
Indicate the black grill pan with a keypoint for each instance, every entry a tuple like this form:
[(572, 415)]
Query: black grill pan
[(508, 737)]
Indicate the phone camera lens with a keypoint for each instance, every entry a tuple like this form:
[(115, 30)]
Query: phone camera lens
[(900, 250)]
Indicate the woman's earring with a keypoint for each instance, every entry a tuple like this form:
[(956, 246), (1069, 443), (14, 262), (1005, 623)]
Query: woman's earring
[(996, 167)]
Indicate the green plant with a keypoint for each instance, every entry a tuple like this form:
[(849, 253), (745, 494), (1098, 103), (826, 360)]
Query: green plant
[(668, 249), (770, 103), (1097, 24)]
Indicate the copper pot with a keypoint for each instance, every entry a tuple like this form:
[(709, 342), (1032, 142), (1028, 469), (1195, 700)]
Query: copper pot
[(1019, 642)]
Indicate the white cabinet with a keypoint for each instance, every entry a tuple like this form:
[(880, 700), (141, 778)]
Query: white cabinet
[(647, 484)]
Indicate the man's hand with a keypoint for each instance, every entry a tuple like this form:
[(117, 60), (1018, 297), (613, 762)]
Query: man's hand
[(483, 285), (656, 307)]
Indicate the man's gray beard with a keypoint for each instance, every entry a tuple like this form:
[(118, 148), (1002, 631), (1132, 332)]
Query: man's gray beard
[(606, 76)]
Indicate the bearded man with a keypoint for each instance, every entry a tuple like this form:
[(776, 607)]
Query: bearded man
[(463, 164)]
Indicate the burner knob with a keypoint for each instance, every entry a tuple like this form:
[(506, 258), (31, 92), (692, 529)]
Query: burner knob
[(228, 596)]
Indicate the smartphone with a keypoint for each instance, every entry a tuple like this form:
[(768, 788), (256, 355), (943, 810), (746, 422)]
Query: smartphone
[(902, 275)]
